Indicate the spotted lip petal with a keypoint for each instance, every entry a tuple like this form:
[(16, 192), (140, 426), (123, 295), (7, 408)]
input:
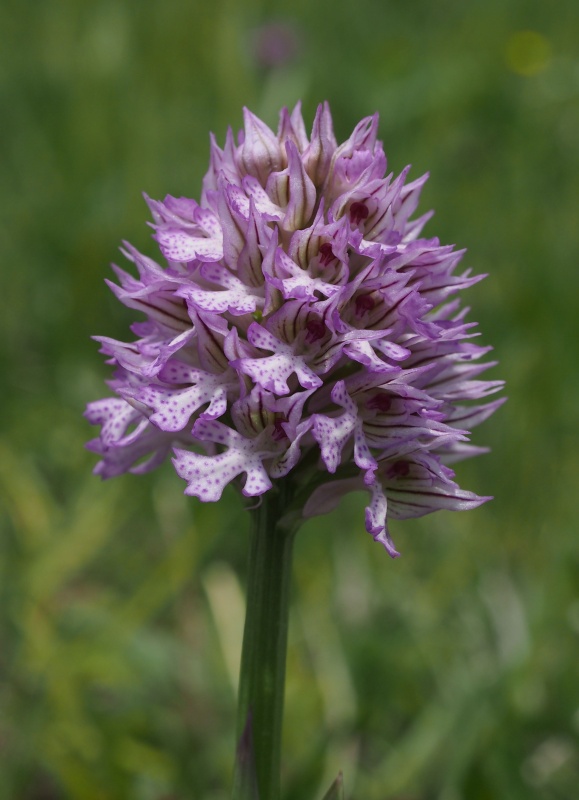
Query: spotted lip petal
[(114, 415), (171, 407), (185, 231), (293, 282), (177, 245), (272, 372), (301, 328), (232, 295), (332, 433), (207, 476), (140, 452), (146, 357)]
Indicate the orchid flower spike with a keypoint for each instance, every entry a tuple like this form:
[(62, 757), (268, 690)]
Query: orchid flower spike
[(300, 330)]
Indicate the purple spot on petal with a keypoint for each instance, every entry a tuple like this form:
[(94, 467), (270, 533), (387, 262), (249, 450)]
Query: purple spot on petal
[(358, 213), (315, 330), (381, 402), (364, 303), (326, 254), (399, 469), (278, 433)]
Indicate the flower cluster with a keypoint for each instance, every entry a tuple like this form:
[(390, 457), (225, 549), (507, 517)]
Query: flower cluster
[(301, 330)]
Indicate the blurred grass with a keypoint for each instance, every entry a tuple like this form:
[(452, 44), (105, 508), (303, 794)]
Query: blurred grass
[(449, 674)]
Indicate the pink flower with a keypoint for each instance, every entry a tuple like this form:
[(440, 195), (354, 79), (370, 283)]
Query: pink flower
[(302, 330)]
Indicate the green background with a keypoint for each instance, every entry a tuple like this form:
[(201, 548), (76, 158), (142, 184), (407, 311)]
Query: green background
[(450, 673)]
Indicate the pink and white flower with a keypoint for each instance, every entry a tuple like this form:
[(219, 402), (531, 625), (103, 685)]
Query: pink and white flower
[(301, 330)]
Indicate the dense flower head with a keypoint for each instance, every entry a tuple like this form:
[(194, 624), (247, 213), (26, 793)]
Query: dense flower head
[(302, 329)]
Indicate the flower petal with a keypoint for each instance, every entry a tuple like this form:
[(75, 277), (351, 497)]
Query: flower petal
[(207, 476)]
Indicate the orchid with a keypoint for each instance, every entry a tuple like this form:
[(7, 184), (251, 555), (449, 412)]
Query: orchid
[(301, 330), (303, 341)]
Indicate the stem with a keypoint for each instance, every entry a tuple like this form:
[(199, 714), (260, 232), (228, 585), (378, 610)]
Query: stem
[(263, 658)]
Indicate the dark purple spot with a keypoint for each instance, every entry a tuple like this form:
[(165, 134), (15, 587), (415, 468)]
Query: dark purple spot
[(364, 303), (358, 213), (326, 254), (278, 433), (315, 330), (399, 469), (381, 402)]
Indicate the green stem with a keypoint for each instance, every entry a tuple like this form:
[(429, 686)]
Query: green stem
[(263, 658)]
